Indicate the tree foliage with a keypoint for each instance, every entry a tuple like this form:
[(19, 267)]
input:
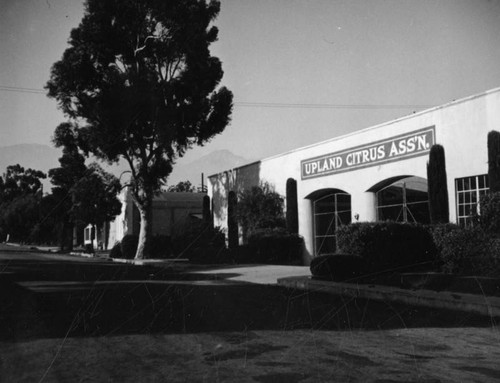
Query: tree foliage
[(87, 194), (182, 187), (139, 79), (260, 207), (95, 196), (20, 196)]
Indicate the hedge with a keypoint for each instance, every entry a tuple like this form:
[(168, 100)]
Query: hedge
[(387, 246), (276, 246), (338, 267), (160, 247), (470, 251)]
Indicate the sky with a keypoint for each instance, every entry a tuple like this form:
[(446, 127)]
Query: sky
[(302, 71)]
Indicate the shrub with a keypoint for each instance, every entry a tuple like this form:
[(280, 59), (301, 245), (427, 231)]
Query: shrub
[(201, 243), (388, 245), (128, 246), (338, 267), (470, 251), (276, 246), (489, 219), (259, 207), (116, 251), (161, 247), (244, 254), (439, 231)]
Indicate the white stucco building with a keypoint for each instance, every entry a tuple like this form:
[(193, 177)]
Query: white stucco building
[(377, 173), (172, 213)]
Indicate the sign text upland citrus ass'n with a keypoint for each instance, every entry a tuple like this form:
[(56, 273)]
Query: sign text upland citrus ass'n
[(413, 144)]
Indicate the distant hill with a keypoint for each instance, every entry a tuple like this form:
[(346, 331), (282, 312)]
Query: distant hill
[(44, 157)]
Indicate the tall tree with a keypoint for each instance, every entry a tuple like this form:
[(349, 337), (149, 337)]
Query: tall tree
[(87, 193), (494, 160), (139, 78), (20, 196), (437, 185)]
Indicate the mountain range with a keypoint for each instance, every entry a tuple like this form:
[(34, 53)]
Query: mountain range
[(44, 157)]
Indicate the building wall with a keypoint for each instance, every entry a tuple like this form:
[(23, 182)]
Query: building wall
[(461, 127), (172, 211)]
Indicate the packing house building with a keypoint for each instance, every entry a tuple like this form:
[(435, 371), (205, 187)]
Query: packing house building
[(378, 173)]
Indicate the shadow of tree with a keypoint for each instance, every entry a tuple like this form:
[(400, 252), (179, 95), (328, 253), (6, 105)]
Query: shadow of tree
[(133, 307)]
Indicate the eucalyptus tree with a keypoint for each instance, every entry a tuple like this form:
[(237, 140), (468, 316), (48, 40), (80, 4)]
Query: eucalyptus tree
[(139, 80)]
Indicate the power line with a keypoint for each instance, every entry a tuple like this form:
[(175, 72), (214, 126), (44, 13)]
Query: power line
[(245, 104), (21, 90)]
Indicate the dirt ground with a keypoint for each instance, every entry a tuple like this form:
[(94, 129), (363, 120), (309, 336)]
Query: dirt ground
[(401, 355), (91, 321)]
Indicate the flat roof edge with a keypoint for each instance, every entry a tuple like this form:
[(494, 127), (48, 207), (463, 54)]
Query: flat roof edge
[(425, 111)]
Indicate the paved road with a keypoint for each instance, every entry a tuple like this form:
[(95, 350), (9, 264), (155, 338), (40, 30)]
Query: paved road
[(66, 319)]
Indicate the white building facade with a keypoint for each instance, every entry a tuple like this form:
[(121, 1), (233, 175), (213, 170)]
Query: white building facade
[(378, 173)]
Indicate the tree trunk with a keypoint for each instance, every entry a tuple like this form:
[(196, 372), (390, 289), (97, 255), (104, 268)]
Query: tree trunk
[(145, 233)]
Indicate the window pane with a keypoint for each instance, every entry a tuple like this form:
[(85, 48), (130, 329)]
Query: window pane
[(481, 182), (325, 224), (473, 183), (466, 183)]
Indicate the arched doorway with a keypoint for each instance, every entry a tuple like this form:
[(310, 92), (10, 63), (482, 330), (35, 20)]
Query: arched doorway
[(331, 209), (402, 199)]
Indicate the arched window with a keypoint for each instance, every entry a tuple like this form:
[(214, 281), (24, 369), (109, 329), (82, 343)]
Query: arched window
[(403, 199), (331, 209)]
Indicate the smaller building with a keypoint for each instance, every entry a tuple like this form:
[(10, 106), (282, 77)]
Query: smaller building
[(172, 213)]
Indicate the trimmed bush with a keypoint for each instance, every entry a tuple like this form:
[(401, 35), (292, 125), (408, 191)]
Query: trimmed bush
[(161, 247), (489, 219), (116, 251), (276, 246), (338, 267), (200, 243), (438, 233), (386, 246), (470, 251), (129, 246)]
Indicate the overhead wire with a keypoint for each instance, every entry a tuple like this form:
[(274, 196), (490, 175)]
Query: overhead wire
[(247, 104)]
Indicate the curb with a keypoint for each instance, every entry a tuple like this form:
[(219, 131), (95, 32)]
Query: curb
[(149, 261), (478, 304)]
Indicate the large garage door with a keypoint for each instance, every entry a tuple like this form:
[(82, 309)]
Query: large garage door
[(330, 212)]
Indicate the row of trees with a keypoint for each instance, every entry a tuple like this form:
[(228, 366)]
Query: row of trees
[(82, 194)]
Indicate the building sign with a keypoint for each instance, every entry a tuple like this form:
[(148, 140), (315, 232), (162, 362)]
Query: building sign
[(408, 145)]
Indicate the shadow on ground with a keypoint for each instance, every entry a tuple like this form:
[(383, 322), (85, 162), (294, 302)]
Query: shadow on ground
[(73, 299)]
